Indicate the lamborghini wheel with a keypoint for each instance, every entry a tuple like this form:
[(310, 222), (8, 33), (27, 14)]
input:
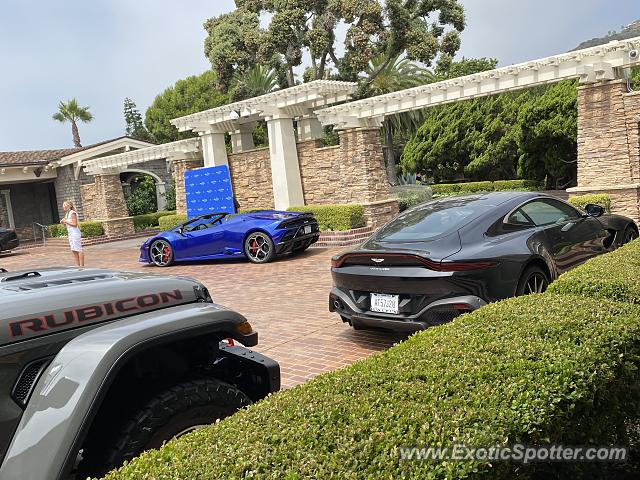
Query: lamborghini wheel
[(161, 253), (259, 248)]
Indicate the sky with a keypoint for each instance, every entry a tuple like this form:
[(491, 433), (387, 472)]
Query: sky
[(101, 51)]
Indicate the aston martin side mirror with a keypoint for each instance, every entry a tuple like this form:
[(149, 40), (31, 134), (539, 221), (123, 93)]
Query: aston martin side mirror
[(594, 210)]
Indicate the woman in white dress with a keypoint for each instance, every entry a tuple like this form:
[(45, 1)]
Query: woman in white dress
[(73, 232)]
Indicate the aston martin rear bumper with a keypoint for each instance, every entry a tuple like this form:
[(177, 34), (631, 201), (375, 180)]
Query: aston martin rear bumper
[(435, 313)]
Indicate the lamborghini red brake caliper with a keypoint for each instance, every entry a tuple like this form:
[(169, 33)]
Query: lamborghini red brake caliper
[(166, 251), (254, 246)]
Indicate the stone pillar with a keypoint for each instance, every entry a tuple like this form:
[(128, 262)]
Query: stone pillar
[(285, 170), (214, 150), (242, 138), (179, 167), (609, 145), (309, 128), (110, 206), (365, 175)]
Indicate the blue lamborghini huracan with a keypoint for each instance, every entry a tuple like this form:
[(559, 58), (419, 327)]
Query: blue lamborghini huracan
[(259, 236)]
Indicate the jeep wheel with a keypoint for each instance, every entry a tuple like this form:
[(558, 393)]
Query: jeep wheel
[(170, 414)]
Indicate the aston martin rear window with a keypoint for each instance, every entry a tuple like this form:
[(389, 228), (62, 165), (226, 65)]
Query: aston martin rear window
[(430, 220)]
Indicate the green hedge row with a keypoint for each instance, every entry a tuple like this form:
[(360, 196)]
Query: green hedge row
[(612, 276), (87, 229), (168, 222), (140, 222), (335, 217), (581, 201), (551, 368), (479, 187)]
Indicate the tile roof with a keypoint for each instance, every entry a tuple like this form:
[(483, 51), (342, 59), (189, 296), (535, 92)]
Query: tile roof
[(43, 157), (34, 157)]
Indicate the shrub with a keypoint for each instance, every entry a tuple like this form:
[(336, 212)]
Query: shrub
[(170, 221), (614, 276), (411, 195), (91, 229), (444, 189), (143, 198), (170, 196), (87, 229), (535, 370), (335, 217), (140, 222), (581, 201)]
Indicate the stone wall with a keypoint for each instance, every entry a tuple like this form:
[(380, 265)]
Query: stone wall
[(68, 188), (88, 194), (179, 167), (251, 178), (609, 145), (352, 172)]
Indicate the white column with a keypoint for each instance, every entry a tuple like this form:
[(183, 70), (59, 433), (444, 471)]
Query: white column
[(242, 138), (214, 150), (161, 200), (309, 128), (285, 170)]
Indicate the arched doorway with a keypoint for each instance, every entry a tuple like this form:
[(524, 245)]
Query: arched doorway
[(132, 179)]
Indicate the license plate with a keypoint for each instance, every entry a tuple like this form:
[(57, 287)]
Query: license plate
[(383, 303), (307, 229)]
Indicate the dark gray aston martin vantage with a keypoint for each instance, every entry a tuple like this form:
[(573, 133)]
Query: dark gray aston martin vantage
[(452, 255)]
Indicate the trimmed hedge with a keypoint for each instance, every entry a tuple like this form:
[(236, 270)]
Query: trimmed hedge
[(140, 222), (444, 189), (87, 229), (411, 195), (612, 276), (554, 368), (168, 222), (536, 370), (581, 201), (335, 217)]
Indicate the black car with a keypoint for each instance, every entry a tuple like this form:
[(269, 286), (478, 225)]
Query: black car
[(453, 255), (8, 239)]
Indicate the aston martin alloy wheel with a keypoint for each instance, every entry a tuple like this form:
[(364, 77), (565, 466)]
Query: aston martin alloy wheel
[(259, 248), (630, 235), (161, 253), (534, 280)]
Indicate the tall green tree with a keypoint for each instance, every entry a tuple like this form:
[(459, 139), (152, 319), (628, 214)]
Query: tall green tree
[(73, 113), (133, 120), (398, 74), (529, 134), (191, 95), (420, 30)]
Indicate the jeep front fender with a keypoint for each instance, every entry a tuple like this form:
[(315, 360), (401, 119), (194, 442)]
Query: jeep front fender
[(69, 392)]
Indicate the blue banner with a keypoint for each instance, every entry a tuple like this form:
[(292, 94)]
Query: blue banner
[(208, 190)]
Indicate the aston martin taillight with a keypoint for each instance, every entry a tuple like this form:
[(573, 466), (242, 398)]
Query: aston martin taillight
[(465, 266), (412, 260)]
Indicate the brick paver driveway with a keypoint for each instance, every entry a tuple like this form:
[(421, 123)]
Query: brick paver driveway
[(286, 301)]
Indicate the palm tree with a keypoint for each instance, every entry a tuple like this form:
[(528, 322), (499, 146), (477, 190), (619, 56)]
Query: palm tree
[(255, 82), (396, 74), (72, 112)]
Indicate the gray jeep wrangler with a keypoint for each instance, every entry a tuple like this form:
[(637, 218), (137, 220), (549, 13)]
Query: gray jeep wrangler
[(97, 366)]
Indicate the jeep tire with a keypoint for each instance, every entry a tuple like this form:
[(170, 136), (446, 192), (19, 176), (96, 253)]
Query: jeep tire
[(169, 414)]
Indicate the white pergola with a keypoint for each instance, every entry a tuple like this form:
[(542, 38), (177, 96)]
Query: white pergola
[(279, 109), (181, 149), (589, 65)]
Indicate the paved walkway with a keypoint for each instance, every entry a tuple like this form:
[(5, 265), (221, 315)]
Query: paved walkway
[(286, 301)]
